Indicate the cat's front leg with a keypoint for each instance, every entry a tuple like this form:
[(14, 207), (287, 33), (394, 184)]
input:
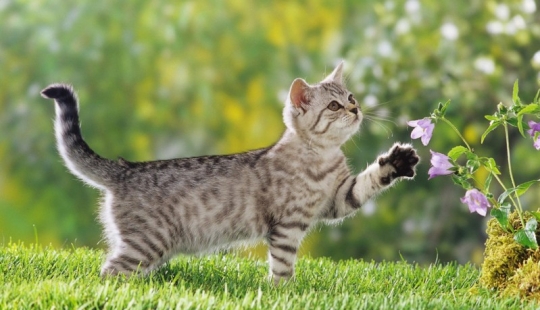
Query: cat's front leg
[(283, 243), (399, 162), (353, 191)]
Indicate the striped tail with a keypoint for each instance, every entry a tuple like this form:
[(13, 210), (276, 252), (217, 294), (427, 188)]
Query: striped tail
[(80, 159)]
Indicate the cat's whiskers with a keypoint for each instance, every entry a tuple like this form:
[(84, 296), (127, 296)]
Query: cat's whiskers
[(379, 118), (379, 121), (347, 119), (378, 114), (354, 142), (377, 106)]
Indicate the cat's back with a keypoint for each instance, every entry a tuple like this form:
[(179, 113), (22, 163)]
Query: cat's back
[(188, 172), (272, 175)]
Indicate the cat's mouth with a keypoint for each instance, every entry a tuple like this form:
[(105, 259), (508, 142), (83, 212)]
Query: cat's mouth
[(352, 122), (357, 118), (356, 121)]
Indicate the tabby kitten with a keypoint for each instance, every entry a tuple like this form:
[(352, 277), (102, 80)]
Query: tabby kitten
[(155, 210)]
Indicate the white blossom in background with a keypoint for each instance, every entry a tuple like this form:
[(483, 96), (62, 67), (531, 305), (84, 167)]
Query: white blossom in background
[(509, 27), (495, 27), (377, 71), (535, 61), (384, 49), (409, 226), (402, 26), (515, 24), (519, 22), (528, 6), (502, 12), (449, 31), (370, 101), (369, 208), (370, 32), (485, 65), (414, 14), (412, 6)]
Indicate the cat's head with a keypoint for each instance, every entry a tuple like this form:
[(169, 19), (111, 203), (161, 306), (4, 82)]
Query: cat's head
[(325, 113)]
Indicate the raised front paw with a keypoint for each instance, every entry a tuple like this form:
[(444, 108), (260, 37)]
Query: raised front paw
[(403, 159)]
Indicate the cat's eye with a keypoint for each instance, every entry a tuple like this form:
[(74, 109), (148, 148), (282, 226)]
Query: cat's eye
[(334, 106), (351, 99)]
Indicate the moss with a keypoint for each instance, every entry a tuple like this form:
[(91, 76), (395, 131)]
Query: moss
[(526, 280), (509, 267)]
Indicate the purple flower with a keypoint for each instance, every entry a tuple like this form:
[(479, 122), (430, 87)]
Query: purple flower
[(537, 143), (423, 128), (535, 127), (477, 201), (440, 165)]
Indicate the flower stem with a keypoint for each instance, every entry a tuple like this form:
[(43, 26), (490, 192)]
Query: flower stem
[(456, 131), (504, 188), (518, 206)]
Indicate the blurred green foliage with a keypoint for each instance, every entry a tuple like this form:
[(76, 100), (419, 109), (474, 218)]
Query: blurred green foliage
[(162, 79)]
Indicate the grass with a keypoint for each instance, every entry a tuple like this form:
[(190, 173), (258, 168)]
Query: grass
[(36, 277)]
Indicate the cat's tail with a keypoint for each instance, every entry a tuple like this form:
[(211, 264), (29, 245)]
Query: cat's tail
[(80, 159)]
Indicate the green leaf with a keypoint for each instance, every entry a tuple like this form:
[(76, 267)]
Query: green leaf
[(529, 109), (442, 108), (520, 190), (520, 125), (490, 165), (473, 165), (526, 238), (471, 156), (491, 117), (536, 214), (487, 183), (502, 109), (456, 152), (461, 181), (515, 97), (493, 166), (531, 224), (501, 215), (530, 234), (492, 126), (512, 121)]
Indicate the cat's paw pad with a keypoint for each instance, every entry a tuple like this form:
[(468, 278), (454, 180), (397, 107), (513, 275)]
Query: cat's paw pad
[(403, 159)]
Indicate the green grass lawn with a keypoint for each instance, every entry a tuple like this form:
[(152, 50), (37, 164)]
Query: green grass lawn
[(35, 277)]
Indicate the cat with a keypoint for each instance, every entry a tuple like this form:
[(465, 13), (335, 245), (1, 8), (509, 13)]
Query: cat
[(154, 210)]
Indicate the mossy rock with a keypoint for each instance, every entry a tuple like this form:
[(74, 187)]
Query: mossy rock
[(509, 267)]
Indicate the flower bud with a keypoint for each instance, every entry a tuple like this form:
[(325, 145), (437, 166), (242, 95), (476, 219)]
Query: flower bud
[(502, 108)]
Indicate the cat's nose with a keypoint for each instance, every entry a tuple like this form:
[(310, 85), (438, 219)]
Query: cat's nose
[(354, 110)]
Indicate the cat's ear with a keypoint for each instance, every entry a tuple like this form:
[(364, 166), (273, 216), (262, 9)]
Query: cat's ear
[(298, 94), (336, 76)]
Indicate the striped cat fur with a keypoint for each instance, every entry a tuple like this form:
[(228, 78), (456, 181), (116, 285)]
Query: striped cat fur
[(154, 210)]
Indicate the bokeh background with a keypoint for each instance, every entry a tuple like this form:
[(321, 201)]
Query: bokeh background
[(163, 79)]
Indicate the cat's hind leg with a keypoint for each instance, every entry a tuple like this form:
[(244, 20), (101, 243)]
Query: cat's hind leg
[(125, 262), (138, 251), (137, 244)]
